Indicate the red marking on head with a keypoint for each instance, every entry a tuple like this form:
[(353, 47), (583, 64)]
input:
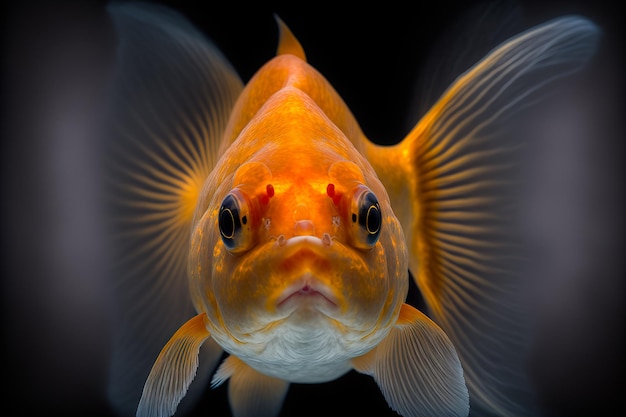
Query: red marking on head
[(330, 190), (332, 193), (269, 193)]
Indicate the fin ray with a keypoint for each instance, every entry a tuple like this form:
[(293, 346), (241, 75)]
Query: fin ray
[(171, 95), (459, 167), (174, 370), (250, 393), (417, 369)]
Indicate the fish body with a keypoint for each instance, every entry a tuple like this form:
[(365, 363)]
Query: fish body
[(322, 293), (290, 234)]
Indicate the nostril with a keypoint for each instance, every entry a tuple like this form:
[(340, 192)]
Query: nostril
[(304, 228)]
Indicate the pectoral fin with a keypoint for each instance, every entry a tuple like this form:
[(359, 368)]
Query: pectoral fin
[(250, 393), (417, 369), (174, 370)]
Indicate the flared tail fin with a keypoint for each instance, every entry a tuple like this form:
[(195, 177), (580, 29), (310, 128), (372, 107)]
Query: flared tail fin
[(171, 96), (452, 182)]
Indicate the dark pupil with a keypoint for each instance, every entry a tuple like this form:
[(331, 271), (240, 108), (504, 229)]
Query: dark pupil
[(227, 223), (373, 219), (369, 214), (229, 218)]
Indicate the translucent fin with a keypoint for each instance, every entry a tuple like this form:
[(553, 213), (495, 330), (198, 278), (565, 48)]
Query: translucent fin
[(171, 95), (467, 40), (250, 393), (417, 369), (287, 43), (452, 183), (173, 370)]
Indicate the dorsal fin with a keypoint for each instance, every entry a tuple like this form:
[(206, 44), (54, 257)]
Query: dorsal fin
[(287, 42)]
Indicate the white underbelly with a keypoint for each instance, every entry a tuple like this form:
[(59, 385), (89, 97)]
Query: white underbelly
[(302, 352)]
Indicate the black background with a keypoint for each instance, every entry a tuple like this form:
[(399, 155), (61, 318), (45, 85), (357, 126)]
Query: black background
[(55, 58)]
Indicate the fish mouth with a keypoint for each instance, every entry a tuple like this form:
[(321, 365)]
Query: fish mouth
[(307, 291), (313, 242), (303, 259)]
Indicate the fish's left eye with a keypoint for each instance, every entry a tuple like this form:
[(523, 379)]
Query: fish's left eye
[(234, 223), (366, 219)]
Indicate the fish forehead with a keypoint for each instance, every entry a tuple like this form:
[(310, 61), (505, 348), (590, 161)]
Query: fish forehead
[(292, 127), (294, 139), (298, 146), (281, 73)]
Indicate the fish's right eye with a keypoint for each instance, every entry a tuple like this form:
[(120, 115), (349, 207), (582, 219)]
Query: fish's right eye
[(229, 220), (235, 224)]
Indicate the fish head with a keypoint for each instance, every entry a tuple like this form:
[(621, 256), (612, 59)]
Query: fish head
[(299, 238)]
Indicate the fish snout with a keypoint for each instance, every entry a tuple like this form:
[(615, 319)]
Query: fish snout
[(304, 228), (303, 225), (305, 264)]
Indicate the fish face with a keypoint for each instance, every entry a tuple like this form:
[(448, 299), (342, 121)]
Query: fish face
[(302, 242)]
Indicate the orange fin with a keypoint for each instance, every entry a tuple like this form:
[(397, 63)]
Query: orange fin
[(173, 370), (250, 393), (287, 43), (454, 185), (417, 369)]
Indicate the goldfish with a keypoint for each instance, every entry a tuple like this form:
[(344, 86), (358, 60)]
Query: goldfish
[(263, 240)]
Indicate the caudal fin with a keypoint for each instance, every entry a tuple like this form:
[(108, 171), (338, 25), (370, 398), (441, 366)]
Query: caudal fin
[(452, 182), (171, 96)]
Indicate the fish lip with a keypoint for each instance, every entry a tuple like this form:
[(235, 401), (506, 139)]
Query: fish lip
[(294, 242), (307, 285)]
